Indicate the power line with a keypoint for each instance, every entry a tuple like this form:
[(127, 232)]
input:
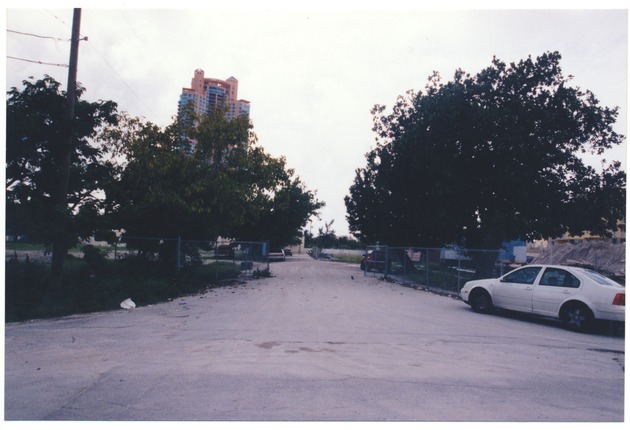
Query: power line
[(55, 39), (108, 65), (37, 35), (37, 62), (58, 19), (99, 54), (166, 74), (120, 77)]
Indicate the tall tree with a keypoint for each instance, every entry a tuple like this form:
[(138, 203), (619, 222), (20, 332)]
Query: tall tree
[(488, 158), (283, 214), (214, 182), (37, 130), (326, 237)]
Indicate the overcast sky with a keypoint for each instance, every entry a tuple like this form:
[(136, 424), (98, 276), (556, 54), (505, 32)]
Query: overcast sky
[(311, 74)]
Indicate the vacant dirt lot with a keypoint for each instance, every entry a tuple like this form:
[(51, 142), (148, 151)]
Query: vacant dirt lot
[(311, 343)]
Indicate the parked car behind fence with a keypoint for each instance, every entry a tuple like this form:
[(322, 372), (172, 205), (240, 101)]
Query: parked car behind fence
[(276, 255), (224, 252), (434, 268)]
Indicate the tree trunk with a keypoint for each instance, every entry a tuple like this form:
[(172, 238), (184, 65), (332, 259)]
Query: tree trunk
[(483, 263)]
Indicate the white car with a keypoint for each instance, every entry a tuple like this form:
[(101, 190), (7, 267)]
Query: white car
[(574, 295), (277, 255)]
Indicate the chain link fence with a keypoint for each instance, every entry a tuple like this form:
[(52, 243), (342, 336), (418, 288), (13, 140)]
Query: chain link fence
[(439, 269), (247, 256), (241, 258)]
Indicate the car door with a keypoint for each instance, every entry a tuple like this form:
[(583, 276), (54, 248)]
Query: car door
[(515, 290), (553, 288)]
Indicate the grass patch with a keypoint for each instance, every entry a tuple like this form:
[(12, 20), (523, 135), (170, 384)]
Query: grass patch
[(439, 276), (348, 258), (101, 285), (24, 246)]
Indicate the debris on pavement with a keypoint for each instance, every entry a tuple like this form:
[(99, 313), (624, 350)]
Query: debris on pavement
[(127, 304)]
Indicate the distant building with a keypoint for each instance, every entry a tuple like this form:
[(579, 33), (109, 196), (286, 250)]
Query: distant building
[(617, 236), (207, 94)]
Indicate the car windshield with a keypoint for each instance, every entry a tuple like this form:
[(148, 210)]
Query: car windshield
[(600, 279)]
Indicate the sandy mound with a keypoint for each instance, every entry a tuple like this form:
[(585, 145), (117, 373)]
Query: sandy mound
[(604, 256)]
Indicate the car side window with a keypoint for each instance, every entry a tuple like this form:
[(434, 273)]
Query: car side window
[(559, 278), (526, 275)]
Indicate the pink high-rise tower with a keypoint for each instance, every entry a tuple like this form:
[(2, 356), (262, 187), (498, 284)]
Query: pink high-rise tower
[(208, 93)]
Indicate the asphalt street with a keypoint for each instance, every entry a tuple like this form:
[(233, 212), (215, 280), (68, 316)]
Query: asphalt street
[(318, 341)]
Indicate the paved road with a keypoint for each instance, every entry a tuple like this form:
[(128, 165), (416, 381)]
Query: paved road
[(310, 343)]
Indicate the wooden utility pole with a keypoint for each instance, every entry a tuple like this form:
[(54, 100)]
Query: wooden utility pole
[(59, 246)]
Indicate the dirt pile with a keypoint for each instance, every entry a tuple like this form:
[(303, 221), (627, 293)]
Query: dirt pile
[(605, 256)]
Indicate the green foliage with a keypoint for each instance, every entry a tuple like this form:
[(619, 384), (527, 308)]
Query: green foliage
[(349, 258), (282, 216), (264, 273), (218, 183), (25, 286), (488, 158), (93, 256), (36, 142), (198, 178), (203, 275), (90, 290), (327, 238)]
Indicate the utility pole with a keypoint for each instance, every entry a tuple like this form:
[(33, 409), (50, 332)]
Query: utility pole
[(59, 246)]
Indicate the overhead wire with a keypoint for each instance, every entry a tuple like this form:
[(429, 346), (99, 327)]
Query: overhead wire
[(36, 35), (57, 18), (98, 52), (37, 62), (120, 77), (108, 65), (154, 47), (54, 39)]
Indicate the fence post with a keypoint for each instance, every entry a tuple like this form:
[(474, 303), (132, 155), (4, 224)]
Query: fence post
[(364, 259), (459, 272), (178, 253), (386, 261), (427, 268), (404, 259)]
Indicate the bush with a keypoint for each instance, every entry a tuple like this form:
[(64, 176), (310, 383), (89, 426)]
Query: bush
[(94, 257), (88, 290), (349, 258), (265, 273), (198, 277), (25, 287)]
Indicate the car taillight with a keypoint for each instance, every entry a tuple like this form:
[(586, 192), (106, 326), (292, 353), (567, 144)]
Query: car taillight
[(620, 299)]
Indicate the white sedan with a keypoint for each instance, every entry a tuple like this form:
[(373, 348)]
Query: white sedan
[(277, 255), (574, 295)]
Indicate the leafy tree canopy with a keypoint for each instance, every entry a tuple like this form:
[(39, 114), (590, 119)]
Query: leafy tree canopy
[(216, 182), (487, 158), (37, 127)]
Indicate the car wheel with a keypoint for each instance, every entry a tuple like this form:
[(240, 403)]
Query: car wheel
[(577, 317), (480, 301)]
